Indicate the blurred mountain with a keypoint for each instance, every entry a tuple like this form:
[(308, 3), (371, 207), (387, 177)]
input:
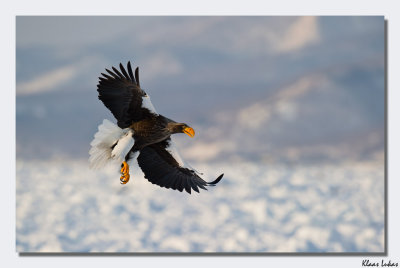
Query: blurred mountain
[(316, 117)]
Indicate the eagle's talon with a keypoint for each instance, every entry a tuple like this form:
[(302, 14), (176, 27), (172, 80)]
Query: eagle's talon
[(124, 179), (124, 173)]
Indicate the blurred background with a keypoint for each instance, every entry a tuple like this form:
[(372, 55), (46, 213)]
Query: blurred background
[(291, 109)]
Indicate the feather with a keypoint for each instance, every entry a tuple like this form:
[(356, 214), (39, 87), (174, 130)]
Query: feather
[(106, 76), (113, 74), (137, 76), (187, 187), (123, 97), (105, 138), (156, 159), (123, 145), (124, 72), (213, 183), (131, 73), (117, 72)]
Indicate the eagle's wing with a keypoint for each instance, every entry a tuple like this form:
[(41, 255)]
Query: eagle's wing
[(162, 165), (121, 93)]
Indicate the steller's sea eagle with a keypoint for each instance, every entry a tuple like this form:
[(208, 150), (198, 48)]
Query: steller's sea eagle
[(142, 134)]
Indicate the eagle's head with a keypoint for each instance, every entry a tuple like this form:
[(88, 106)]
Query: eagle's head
[(182, 128)]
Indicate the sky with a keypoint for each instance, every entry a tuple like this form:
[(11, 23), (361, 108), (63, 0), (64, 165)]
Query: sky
[(292, 81), (297, 102)]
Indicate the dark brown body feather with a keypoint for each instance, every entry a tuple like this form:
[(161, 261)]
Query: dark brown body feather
[(150, 130)]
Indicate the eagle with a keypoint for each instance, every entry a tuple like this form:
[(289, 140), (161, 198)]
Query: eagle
[(141, 135)]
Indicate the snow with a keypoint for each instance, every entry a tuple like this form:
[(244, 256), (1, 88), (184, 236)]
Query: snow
[(62, 206)]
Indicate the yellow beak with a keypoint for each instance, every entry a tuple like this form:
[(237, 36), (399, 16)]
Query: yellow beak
[(189, 131)]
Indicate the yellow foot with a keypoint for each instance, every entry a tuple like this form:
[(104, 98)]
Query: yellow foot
[(124, 173)]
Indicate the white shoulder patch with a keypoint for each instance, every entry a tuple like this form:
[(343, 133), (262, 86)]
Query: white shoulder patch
[(175, 154), (124, 145), (146, 103)]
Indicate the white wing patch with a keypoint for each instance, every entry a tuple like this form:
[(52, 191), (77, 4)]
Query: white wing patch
[(146, 103), (175, 154)]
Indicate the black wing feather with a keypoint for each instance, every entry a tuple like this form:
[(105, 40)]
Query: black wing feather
[(131, 74), (137, 76), (106, 76), (160, 168), (113, 74), (122, 95), (126, 76), (213, 183), (118, 73)]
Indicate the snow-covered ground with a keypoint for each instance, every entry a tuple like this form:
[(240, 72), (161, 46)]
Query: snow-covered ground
[(62, 206)]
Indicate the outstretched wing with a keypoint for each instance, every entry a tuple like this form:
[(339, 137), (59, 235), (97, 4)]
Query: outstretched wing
[(121, 93), (162, 165)]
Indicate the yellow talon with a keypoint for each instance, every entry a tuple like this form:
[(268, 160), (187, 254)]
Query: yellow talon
[(124, 173)]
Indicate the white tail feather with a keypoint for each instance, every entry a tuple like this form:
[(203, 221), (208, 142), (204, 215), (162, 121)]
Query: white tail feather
[(109, 134)]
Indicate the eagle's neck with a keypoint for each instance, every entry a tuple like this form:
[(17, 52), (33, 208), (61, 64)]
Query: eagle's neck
[(175, 127)]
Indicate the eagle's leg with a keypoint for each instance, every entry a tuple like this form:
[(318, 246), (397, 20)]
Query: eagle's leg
[(124, 173)]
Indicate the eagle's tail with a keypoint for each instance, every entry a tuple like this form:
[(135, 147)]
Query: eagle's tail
[(109, 143)]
